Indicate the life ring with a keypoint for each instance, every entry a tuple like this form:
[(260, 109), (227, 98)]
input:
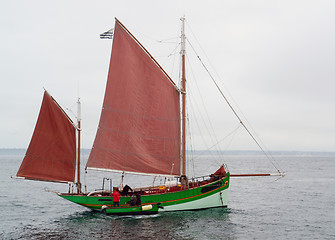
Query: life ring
[(161, 187)]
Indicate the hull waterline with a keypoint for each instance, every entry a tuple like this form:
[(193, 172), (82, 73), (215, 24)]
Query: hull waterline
[(210, 195)]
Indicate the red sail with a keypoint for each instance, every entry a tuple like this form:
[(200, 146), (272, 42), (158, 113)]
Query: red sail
[(51, 155), (139, 129)]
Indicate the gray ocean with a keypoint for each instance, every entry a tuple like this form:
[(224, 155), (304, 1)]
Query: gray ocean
[(299, 206)]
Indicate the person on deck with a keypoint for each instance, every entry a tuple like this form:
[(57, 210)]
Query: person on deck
[(138, 198), (116, 197), (126, 190), (184, 182), (133, 200)]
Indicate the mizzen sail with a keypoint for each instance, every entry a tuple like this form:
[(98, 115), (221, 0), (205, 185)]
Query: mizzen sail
[(139, 128), (51, 155)]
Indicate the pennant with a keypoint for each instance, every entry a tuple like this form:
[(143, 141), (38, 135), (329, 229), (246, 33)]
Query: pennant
[(108, 34)]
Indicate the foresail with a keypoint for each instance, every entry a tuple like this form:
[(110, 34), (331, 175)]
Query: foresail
[(51, 155), (139, 129)]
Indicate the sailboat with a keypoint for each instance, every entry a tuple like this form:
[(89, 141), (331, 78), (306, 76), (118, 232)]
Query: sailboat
[(141, 131)]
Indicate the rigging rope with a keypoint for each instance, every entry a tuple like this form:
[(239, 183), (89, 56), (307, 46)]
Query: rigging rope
[(210, 129), (233, 110), (224, 138)]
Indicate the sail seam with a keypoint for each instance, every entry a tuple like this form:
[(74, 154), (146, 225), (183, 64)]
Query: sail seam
[(132, 153), (138, 135), (139, 115)]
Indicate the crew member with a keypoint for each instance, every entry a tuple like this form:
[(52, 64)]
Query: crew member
[(116, 197), (126, 190)]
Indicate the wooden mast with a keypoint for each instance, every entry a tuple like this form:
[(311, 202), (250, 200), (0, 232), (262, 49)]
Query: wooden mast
[(78, 153), (183, 83)]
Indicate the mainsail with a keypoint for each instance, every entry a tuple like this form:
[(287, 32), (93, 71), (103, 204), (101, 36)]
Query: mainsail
[(139, 128), (51, 155)]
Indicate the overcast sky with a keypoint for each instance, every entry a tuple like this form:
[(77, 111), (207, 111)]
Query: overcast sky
[(274, 58)]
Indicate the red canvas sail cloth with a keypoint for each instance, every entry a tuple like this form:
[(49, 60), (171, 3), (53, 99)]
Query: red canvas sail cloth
[(139, 129), (51, 155)]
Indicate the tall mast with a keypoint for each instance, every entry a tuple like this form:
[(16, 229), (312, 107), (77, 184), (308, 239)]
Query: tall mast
[(78, 153), (183, 84)]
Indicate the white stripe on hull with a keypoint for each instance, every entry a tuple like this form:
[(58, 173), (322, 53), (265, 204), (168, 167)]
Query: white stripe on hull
[(219, 199)]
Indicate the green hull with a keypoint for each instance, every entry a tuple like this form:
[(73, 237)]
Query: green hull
[(210, 195)]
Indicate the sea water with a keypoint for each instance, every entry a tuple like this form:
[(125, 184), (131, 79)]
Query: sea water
[(299, 206)]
